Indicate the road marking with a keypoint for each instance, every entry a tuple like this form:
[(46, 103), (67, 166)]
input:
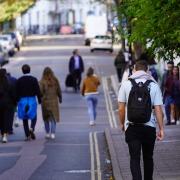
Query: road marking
[(78, 171), (169, 141), (92, 155), (106, 101), (111, 115), (97, 156), (63, 144)]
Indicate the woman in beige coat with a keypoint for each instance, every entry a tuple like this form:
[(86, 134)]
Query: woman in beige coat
[(51, 95)]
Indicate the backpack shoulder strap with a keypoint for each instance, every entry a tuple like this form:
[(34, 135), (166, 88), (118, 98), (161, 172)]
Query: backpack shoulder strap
[(133, 82), (148, 82)]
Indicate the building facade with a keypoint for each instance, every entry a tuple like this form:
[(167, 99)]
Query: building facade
[(49, 15)]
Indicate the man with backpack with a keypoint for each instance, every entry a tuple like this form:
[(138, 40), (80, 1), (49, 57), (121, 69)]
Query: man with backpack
[(137, 98)]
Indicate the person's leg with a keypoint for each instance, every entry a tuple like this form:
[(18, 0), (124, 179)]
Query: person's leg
[(135, 154), (90, 108), (167, 110), (53, 126), (177, 113), (26, 127), (33, 123), (10, 118), (172, 112), (46, 126), (132, 137), (4, 125), (147, 149), (75, 77), (78, 79), (95, 101), (119, 74)]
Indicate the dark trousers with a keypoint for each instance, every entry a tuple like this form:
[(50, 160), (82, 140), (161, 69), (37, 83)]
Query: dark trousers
[(26, 125), (141, 138), (77, 79), (120, 72), (10, 119), (4, 123)]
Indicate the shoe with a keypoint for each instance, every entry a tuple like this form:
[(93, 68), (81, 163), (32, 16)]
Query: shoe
[(27, 138), (47, 136), (177, 122), (91, 123), (32, 135), (168, 123), (4, 139), (52, 136), (173, 121)]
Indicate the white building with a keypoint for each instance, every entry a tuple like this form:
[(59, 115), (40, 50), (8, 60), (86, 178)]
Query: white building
[(46, 15)]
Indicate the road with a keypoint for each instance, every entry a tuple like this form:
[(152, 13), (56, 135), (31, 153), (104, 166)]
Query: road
[(79, 151)]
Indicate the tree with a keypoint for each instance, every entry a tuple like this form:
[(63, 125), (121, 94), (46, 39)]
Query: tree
[(155, 23), (10, 9)]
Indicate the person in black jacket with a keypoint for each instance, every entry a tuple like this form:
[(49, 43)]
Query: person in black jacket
[(76, 68), (7, 100), (12, 80), (120, 64), (28, 86)]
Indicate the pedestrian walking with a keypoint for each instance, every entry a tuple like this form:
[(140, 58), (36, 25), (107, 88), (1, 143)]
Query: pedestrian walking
[(166, 90), (136, 98), (7, 99), (51, 97), (12, 80), (76, 68), (175, 93), (27, 89), (120, 64), (90, 91)]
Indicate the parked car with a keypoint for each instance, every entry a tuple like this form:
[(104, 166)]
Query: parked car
[(15, 38), (4, 58), (102, 42), (7, 44)]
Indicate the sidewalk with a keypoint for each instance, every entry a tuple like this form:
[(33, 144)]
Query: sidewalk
[(166, 154)]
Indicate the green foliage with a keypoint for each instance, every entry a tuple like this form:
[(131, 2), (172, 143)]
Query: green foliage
[(157, 22), (10, 9)]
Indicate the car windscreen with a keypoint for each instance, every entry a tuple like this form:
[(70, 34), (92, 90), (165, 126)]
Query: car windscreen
[(4, 38), (102, 37)]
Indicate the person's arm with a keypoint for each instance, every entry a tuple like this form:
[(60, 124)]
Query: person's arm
[(83, 89), (159, 117), (70, 65), (82, 64), (37, 90), (59, 92), (122, 111)]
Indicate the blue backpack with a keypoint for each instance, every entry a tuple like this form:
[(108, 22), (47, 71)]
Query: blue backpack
[(27, 108)]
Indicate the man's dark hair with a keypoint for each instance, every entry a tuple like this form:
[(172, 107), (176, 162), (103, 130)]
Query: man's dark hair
[(26, 69), (75, 51), (141, 65), (170, 62)]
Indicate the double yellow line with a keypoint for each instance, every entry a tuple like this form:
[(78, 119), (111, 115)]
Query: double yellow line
[(109, 107), (95, 157)]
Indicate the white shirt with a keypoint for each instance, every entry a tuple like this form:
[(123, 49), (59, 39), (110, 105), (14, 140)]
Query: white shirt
[(155, 93), (77, 64)]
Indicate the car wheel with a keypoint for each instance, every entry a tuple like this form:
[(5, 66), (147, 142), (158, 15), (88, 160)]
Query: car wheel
[(111, 50), (87, 42), (92, 50)]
